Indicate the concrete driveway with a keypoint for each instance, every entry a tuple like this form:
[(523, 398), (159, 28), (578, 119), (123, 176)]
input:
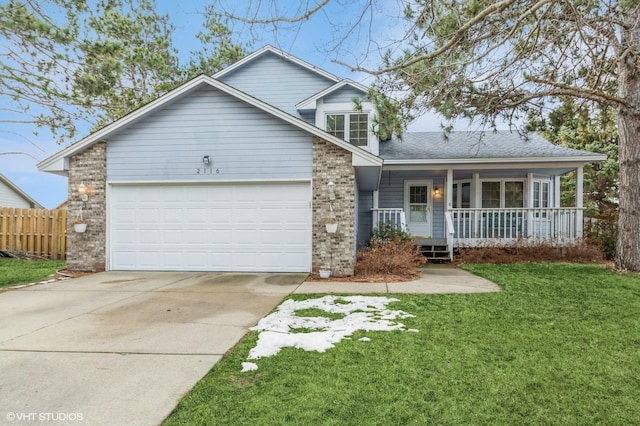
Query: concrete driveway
[(122, 347)]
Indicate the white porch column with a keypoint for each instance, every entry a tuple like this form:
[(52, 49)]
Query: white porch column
[(476, 202), (579, 201), (448, 206), (449, 190), (376, 198), (476, 188), (529, 204), (556, 191)]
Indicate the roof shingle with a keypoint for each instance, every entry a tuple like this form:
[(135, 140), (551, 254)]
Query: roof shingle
[(467, 145)]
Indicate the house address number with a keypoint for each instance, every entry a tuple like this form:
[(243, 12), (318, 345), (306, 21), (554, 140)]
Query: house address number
[(207, 171)]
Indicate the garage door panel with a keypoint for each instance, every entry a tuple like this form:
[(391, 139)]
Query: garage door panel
[(226, 227)]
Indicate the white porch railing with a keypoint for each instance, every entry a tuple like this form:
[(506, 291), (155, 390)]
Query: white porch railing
[(476, 226), (473, 225), (393, 217), (451, 231)]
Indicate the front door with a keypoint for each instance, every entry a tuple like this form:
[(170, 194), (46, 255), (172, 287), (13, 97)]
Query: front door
[(418, 207)]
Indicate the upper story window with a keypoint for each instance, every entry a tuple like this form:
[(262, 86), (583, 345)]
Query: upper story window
[(355, 125)]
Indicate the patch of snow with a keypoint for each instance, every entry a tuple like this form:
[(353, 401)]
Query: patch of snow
[(413, 330), (367, 313), (249, 366), (364, 339)]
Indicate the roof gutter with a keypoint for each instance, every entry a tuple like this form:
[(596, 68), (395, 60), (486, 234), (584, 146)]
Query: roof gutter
[(486, 160)]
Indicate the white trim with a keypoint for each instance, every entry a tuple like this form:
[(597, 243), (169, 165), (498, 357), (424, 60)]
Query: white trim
[(489, 161), (310, 102), (419, 182), (268, 48), (199, 81), (202, 182)]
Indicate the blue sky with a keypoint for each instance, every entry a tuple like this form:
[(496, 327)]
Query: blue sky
[(312, 42)]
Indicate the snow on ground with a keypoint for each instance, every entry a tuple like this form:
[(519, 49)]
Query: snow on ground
[(278, 330)]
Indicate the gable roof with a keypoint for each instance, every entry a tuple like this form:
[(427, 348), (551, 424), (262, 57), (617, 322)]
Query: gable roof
[(479, 147), (16, 189), (58, 163), (270, 49), (310, 103)]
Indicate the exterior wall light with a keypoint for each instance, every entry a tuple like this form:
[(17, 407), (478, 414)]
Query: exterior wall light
[(84, 192), (436, 192), (206, 159), (331, 187)]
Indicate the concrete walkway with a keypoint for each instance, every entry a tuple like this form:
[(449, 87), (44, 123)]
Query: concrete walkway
[(434, 279), (122, 348)]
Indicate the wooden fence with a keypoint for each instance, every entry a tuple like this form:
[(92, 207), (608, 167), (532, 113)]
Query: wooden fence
[(34, 231)]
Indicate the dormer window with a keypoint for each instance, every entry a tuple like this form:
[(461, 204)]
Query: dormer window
[(355, 125)]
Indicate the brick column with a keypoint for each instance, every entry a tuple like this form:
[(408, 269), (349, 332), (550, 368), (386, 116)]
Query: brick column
[(333, 251), (86, 251)]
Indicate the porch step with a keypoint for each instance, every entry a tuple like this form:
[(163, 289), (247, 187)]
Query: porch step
[(435, 252)]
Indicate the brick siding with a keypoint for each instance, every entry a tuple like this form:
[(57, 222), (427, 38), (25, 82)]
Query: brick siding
[(86, 251), (333, 251)]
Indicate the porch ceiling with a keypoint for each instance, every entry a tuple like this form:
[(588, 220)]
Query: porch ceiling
[(368, 177)]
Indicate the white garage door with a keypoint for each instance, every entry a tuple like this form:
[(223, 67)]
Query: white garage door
[(212, 227)]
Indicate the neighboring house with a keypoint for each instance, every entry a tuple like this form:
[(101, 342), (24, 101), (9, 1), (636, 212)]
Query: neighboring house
[(240, 172), (12, 196)]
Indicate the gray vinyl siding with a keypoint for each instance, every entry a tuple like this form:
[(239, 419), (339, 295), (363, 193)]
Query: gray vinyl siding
[(277, 81), (391, 194), (344, 95), (243, 142), (365, 204), (308, 116), (8, 198)]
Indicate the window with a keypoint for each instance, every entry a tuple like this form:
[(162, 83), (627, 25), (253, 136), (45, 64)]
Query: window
[(541, 199), (335, 125), (359, 129), (418, 203), (513, 194), (502, 194), (356, 127), (461, 195), (540, 194), (491, 195)]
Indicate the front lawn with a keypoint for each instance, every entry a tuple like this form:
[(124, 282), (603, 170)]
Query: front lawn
[(17, 271), (560, 345)]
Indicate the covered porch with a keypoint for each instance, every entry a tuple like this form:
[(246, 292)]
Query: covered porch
[(447, 209), (472, 189)]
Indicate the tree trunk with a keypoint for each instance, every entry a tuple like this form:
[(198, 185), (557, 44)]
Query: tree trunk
[(628, 247)]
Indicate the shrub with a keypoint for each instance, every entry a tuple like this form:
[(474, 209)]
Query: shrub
[(602, 231), (530, 251), (393, 257), (386, 232)]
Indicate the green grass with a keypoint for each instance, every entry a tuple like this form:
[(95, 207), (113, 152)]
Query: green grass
[(559, 346), (16, 271)]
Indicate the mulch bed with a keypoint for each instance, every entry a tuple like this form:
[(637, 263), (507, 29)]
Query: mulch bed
[(382, 278)]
